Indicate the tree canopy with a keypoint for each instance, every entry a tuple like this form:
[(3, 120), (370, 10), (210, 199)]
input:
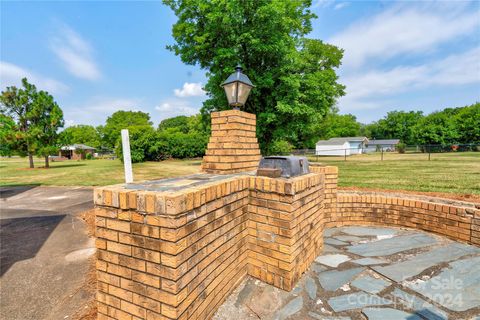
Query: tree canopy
[(47, 118), (7, 135), (338, 125), (295, 77), (448, 126), (37, 118), (396, 125), (122, 120), (84, 134)]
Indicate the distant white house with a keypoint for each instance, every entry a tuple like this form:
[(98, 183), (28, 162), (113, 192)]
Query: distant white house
[(385, 144), (340, 146)]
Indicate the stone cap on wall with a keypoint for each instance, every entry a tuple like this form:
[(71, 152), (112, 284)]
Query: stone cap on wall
[(178, 195)]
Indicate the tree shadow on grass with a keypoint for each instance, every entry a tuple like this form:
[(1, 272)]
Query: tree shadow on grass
[(64, 166)]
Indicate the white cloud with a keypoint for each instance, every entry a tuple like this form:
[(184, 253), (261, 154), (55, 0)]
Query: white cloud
[(96, 110), (404, 29), (76, 54), (322, 3), (190, 90), (11, 75), (69, 123), (365, 90), (341, 5), (175, 107)]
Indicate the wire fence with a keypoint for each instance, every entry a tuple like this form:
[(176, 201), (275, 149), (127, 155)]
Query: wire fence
[(381, 153)]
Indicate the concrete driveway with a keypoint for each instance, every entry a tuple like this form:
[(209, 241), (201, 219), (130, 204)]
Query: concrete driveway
[(44, 252)]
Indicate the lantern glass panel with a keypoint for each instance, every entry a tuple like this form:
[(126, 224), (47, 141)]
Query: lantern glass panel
[(243, 92), (231, 92)]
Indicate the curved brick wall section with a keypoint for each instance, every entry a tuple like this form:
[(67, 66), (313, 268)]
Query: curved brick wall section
[(456, 220)]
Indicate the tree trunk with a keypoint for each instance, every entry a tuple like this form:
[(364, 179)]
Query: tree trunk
[(30, 159), (47, 164)]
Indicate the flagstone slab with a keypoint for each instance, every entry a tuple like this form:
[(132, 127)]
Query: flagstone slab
[(290, 308), (332, 260), (420, 306), (330, 232), (409, 268), (356, 300), (394, 245), (370, 261), (368, 231), (328, 248), (311, 287), (334, 279), (456, 287), (322, 317), (388, 313), (370, 284), (334, 242), (348, 238), (318, 268)]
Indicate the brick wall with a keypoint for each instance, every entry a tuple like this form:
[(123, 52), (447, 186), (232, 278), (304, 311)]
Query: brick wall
[(178, 255), (331, 179), (170, 255), (456, 220), (233, 145), (285, 227), (166, 255)]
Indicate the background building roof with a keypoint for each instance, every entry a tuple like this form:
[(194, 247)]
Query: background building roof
[(340, 141), (77, 146), (383, 141)]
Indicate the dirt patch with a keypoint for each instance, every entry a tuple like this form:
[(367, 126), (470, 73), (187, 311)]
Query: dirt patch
[(89, 312), (474, 198)]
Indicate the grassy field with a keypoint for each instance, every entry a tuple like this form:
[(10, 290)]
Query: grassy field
[(457, 173), (445, 173), (15, 171)]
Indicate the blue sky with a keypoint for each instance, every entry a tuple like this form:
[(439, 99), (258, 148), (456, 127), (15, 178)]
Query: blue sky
[(99, 57)]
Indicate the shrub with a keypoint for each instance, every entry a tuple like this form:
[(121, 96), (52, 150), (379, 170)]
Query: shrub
[(147, 144), (280, 147), (89, 156), (401, 147)]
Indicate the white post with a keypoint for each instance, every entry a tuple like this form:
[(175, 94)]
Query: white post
[(127, 160)]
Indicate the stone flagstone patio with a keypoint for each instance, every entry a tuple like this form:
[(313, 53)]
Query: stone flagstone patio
[(372, 273)]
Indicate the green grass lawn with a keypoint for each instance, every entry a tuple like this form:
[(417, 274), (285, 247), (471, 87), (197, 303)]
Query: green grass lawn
[(457, 173), (100, 172), (445, 173)]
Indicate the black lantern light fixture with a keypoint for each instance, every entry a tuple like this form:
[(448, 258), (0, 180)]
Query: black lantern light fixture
[(237, 88)]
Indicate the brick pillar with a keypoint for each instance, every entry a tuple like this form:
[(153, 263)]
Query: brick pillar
[(233, 145), (285, 226), (331, 182)]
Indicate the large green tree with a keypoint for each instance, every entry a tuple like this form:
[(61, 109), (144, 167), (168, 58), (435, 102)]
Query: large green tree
[(18, 104), (122, 120), (338, 125), (397, 125), (437, 128), (37, 119), (7, 135), (47, 118), (84, 134), (295, 77), (467, 122)]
